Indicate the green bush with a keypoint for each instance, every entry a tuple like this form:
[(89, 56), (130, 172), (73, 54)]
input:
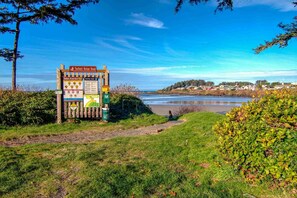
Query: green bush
[(260, 139), (36, 108), (124, 106), (27, 108)]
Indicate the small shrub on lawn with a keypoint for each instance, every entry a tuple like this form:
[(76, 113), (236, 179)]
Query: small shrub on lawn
[(260, 139), (125, 89), (186, 109), (125, 106)]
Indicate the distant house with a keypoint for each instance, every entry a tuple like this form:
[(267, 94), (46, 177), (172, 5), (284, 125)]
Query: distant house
[(249, 87), (192, 88), (180, 88), (278, 87)]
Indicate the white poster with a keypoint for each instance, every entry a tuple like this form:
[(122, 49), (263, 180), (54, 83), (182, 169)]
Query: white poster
[(91, 86), (73, 89)]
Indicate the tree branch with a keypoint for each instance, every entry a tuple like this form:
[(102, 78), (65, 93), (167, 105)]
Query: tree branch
[(7, 54), (6, 29), (282, 39), (222, 4)]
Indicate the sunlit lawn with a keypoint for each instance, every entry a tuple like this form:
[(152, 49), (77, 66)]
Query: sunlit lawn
[(182, 161), (54, 129)]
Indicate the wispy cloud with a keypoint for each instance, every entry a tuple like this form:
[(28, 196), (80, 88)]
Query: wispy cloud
[(141, 19), (282, 5), (154, 70), (274, 75), (181, 72), (122, 43)]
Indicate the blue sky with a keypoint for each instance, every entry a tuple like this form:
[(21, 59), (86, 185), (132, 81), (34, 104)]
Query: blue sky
[(145, 44)]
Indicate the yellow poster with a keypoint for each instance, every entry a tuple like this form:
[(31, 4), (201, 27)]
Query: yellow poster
[(91, 101)]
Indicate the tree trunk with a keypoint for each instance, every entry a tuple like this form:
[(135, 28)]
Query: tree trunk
[(15, 54)]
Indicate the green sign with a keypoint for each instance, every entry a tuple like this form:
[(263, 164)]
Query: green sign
[(106, 98)]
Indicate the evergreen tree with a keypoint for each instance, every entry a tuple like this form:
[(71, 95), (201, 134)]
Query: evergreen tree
[(15, 12)]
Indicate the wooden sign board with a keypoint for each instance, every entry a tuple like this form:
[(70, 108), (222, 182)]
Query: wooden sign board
[(73, 88), (79, 90), (83, 69)]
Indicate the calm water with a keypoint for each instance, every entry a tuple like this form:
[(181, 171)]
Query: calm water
[(156, 99)]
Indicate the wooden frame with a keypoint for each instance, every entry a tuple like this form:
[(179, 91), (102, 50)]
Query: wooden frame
[(75, 109)]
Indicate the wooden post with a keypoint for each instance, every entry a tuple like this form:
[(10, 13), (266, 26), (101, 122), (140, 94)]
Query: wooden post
[(101, 94), (59, 94)]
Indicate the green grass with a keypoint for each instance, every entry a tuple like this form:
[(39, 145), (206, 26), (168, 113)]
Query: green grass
[(7, 133), (183, 161)]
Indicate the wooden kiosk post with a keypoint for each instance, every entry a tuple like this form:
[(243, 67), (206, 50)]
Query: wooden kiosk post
[(59, 93), (80, 92)]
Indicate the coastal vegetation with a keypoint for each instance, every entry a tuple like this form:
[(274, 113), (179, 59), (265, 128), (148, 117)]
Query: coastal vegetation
[(183, 161), (22, 108), (27, 108), (259, 139), (249, 152)]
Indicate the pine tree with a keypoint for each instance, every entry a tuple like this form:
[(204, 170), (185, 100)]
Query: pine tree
[(15, 12)]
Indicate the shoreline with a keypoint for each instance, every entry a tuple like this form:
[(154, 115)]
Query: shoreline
[(164, 109), (218, 93)]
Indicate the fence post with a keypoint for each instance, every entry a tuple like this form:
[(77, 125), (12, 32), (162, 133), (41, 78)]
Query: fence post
[(59, 94)]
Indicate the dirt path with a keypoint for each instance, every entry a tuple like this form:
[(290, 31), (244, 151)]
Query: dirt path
[(89, 136)]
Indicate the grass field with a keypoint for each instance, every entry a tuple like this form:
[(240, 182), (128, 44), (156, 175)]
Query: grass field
[(182, 161), (7, 133)]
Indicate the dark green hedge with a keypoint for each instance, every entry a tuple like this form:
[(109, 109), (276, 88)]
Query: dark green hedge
[(27, 108), (260, 139), (36, 108), (124, 106)]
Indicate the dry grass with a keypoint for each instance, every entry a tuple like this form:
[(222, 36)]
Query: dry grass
[(23, 88), (186, 109), (125, 89)]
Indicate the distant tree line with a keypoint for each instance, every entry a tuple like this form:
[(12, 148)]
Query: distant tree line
[(238, 83), (198, 83), (188, 83)]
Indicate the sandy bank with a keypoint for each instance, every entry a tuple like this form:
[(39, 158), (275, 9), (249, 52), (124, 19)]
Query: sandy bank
[(164, 109)]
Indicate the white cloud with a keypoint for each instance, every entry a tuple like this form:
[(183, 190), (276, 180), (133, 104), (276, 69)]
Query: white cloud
[(121, 43), (282, 5), (153, 70), (236, 75), (181, 72), (141, 19)]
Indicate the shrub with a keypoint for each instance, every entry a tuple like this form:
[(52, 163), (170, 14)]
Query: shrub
[(260, 139), (27, 108), (186, 109), (126, 89), (124, 106)]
